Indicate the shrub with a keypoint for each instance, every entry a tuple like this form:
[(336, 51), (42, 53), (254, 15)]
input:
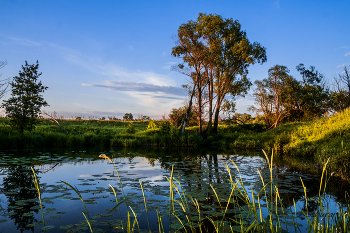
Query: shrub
[(152, 125), (165, 127), (131, 129)]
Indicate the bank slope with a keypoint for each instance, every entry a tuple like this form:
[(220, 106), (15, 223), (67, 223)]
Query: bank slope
[(315, 141)]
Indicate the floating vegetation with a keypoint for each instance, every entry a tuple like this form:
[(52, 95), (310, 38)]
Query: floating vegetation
[(33, 224), (27, 214), (48, 227)]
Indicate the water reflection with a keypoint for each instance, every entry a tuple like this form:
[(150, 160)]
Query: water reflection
[(21, 196), (198, 172)]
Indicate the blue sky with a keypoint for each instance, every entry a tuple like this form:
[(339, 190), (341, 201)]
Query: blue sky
[(107, 58)]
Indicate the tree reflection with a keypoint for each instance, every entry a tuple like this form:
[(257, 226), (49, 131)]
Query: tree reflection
[(22, 196)]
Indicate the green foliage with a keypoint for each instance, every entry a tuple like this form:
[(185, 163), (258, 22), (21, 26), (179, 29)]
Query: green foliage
[(131, 129), (316, 141), (239, 119), (165, 127), (152, 125), (281, 98), (23, 107), (128, 117), (177, 116), (216, 54)]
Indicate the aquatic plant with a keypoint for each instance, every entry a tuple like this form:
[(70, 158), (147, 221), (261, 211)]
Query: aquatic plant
[(233, 211)]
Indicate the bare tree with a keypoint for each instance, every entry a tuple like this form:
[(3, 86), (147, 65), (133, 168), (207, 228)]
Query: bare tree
[(341, 93), (3, 83)]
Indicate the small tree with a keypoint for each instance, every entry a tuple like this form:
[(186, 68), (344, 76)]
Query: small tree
[(177, 115), (23, 107), (128, 117), (131, 129)]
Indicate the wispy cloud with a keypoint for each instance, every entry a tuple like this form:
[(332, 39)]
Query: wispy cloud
[(101, 67), (344, 64), (165, 97), (347, 54), (23, 41), (343, 47), (141, 87), (112, 70), (169, 65)]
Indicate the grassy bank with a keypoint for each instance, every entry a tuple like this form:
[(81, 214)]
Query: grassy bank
[(306, 143), (93, 133), (89, 133)]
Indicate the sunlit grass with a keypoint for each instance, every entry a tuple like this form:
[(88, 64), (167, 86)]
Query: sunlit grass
[(317, 141)]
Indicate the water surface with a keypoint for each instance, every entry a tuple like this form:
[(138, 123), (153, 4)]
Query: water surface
[(93, 177)]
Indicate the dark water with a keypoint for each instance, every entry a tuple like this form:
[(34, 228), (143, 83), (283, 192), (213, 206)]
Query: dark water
[(93, 177)]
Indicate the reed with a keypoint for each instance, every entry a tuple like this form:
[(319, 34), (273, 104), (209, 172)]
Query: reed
[(37, 187), (239, 211)]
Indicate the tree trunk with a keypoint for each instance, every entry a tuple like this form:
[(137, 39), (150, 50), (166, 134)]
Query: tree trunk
[(210, 94), (216, 121), (216, 116), (200, 110), (187, 112)]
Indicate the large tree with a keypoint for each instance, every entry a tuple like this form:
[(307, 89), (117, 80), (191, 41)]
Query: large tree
[(273, 95), (281, 98), (230, 53), (190, 47), (217, 53), (23, 107)]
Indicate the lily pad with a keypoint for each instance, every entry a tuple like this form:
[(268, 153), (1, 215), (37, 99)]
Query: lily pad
[(66, 227), (33, 224), (27, 214), (48, 227)]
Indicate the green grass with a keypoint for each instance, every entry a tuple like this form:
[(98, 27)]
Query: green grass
[(311, 142), (315, 141), (95, 133)]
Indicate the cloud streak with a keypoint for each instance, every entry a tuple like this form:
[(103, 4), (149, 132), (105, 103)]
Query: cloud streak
[(344, 64), (24, 42), (142, 87), (165, 97)]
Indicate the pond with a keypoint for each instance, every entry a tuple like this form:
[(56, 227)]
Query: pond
[(203, 176)]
